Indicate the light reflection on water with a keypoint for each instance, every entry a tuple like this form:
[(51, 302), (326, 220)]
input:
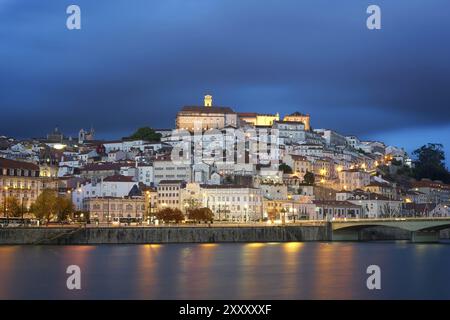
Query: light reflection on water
[(314, 270)]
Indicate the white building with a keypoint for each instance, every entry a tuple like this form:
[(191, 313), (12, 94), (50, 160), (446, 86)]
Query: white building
[(113, 186), (290, 131), (169, 170), (332, 137), (375, 205), (233, 202), (169, 194), (128, 145), (145, 174)]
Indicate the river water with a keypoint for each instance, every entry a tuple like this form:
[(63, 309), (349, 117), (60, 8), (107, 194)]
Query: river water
[(312, 270)]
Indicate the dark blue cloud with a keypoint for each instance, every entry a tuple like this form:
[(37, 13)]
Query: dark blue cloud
[(137, 62)]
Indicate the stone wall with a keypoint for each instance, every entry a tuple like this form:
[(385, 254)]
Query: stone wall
[(162, 235), (130, 235)]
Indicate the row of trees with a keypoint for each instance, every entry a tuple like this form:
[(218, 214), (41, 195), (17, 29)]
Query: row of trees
[(175, 215), (48, 206)]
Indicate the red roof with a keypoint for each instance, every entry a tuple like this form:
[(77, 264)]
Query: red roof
[(13, 164), (118, 178)]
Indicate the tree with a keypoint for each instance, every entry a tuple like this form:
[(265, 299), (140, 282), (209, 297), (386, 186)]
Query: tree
[(169, 215), (44, 207), (309, 178), (430, 163), (146, 133), (200, 214), (272, 214), (285, 168), (64, 207), (13, 207)]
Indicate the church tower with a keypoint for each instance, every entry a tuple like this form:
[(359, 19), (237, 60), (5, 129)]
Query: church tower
[(208, 100)]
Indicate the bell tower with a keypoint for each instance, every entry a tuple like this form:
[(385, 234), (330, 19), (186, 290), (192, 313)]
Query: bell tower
[(208, 100)]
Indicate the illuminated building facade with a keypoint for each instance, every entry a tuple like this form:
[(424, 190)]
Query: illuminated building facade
[(20, 180), (299, 117), (206, 117)]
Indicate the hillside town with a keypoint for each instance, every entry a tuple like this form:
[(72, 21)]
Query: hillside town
[(241, 167)]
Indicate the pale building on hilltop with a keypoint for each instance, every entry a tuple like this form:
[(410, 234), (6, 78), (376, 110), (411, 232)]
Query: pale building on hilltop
[(258, 119), (290, 131), (206, 117), (299, 117), (331, 137)]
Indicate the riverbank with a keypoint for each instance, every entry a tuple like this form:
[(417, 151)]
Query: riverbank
[(187, 234)]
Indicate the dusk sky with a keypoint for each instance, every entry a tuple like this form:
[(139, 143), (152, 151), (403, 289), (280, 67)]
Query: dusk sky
[(136, 63)]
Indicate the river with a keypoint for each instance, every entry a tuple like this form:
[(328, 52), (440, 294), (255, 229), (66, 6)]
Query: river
[(309, 270)]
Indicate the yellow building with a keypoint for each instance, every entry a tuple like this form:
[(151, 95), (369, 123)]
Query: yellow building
[(299, 117), (19, 180), (105, 209), (257, 119)]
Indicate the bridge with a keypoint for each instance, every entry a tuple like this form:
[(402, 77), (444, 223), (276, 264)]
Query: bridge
[(421, 229)]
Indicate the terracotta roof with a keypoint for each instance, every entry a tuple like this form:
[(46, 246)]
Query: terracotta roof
[(171, 181), (226, 186), (379, 184), (106, 166), (201, 109), (13, 164), (289, 122), (425, 183), (118, 178), (296, 113), (247, 114)]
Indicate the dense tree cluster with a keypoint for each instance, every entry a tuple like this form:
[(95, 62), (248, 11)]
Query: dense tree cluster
[(170, 215), (49, 206), (146, 133), (430, 163), (200, 214)]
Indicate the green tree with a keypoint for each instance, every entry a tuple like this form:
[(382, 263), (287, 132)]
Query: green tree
[(44, 208), (201, 214), (13, 207), (309, 178), (146, 133), (272, 214), (285, 168), (170, 215), (64, 208), (430, 163)]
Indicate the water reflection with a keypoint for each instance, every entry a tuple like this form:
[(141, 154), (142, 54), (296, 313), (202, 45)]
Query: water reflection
[(227, 271)]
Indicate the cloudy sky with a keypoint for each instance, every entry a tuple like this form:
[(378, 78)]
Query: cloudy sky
[(135, 63)]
